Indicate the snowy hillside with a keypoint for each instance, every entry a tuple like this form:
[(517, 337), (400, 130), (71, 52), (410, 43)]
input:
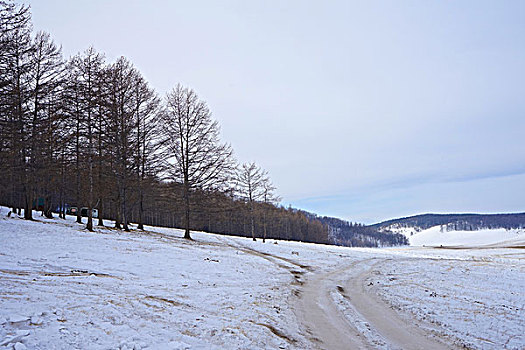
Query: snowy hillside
[(459, 229), (440, 236), (66, 288), (436, 236), (406, 231)]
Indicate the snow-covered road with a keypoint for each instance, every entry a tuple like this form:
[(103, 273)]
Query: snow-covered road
[(65, 288)]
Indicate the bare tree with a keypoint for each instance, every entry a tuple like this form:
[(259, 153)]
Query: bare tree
[(194, 153), (254, 185), (88, 69), (120, 131), (15, 66), (147, 106), (45, 87), (269, 199), (75, 121)]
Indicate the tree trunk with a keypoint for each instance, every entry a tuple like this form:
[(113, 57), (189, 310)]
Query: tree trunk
[(117, 220), (100, 211), (186, 211), (89, 225), (48, 212), (264, 224), (124, 209), (252, 221), (79, 218), (99, 182), (141, 211), (62, 209), (28, 205)]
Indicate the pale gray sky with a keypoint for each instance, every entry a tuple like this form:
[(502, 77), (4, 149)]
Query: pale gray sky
[(363, 110)]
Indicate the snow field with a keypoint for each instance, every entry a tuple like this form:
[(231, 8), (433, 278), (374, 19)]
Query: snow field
[(62, 287), (68, 288), (435, 237), (475, 297)]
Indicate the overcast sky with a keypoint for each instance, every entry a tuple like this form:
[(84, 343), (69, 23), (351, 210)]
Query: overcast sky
[(363, 110)]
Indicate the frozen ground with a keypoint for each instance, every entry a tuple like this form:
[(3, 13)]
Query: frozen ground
[(65, 288)]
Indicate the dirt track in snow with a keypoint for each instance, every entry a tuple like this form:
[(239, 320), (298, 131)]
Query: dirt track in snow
[(328, 327)]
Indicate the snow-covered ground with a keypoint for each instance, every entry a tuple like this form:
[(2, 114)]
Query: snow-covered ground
[(435, 236), (439, 236), (477, 296), (68, 288), (407, 231), (64, 287)]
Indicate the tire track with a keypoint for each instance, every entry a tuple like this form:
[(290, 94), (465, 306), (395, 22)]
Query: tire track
[(351, 317), (325, 325), (395, 330)]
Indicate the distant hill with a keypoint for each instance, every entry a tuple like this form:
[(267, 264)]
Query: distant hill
[(459, 229), (456, 222), (348, 234), (401, 231)]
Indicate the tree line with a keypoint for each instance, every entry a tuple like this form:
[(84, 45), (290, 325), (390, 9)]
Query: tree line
[(90, 133), (458, 222)]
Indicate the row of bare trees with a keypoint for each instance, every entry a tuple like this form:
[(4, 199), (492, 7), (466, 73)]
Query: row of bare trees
[(94, 134)]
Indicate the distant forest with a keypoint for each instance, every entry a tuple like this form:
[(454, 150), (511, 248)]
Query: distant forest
[(350, 234), (458, 222)]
